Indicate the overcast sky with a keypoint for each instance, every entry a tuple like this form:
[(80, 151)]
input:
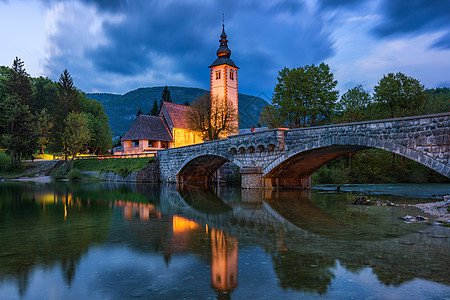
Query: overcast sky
[(118, 45)]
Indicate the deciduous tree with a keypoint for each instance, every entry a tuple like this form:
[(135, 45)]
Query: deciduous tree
[(43, 128), (353, 105), (398, 95), (212, 122), (304, 96), (76, 133)]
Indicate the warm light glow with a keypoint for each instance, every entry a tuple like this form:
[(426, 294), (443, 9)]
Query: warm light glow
[(185, 137), (180, 224), (224, 260), (45, 198), (143, 210)]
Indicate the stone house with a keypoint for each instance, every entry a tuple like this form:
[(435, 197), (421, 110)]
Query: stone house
[(168, 129)]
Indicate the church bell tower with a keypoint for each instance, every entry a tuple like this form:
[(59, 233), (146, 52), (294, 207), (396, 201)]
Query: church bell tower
[(224, 86)]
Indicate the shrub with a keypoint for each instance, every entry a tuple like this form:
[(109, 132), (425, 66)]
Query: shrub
[(4, 161), (57, 175), (124, 171), (75, 175)]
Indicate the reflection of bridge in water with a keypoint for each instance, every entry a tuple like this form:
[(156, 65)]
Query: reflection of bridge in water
[(394, 255)]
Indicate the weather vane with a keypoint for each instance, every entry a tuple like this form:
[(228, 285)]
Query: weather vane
[(223, 19)]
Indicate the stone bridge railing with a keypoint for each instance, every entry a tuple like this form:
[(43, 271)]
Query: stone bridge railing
[(287, 158)]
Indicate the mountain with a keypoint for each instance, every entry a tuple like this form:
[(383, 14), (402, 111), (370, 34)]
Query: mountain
[(122, 109)]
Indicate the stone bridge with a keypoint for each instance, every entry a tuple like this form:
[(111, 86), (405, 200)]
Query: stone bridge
[(280, 157)]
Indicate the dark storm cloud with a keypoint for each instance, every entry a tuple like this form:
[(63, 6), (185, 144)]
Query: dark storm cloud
[(339, 3), (415, 16), (174, 37)]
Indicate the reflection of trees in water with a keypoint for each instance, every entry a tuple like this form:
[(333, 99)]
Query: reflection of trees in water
[(35, 235), (303, 271)]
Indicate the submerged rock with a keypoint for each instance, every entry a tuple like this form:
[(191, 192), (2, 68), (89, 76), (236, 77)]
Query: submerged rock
[(411, 219)]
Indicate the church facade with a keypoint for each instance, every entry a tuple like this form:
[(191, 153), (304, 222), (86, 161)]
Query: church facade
[(170, 128)]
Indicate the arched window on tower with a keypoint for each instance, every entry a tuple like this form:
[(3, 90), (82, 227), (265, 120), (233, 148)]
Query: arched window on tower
[(232, 74), (217, 74)]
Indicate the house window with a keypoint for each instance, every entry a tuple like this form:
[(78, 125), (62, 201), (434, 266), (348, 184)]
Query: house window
[(231, 74), (150, 143), (135, 143), (217, 74)]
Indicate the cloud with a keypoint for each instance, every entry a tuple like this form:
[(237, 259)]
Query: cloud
[(332, 4), (415, 17), (144, 43)]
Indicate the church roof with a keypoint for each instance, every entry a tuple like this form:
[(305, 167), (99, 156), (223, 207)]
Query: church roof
[(223, 53), (178, 114), (147, 127), (223, 61)]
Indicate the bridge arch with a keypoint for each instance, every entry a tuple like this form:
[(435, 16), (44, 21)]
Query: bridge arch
[(301, 161), (200, 167)]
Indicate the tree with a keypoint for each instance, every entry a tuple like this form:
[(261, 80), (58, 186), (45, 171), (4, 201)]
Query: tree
[(165, 95), (18, 82), (155, 109), (353, 105), (43, 127), (270, 117), (398, 95), (186, 103), (139, 112), (76, 133), (438, 100), (44, 94), (17, 123), (212, 122), (304, 96), (66, 102), (19, 135)]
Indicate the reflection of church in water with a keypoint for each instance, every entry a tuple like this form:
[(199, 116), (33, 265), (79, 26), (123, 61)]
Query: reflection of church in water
[(177, 236)]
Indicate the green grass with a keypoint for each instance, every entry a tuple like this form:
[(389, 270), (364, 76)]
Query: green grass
[(116, 165)]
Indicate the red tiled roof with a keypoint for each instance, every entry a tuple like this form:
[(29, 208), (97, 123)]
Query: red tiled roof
[(148, 127), (177, 113)]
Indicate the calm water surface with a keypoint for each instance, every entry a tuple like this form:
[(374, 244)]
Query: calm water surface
[(107, 241)]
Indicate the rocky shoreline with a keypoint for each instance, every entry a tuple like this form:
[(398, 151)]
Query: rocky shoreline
[(437, 209)]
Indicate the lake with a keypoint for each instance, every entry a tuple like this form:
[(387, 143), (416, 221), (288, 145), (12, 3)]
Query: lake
[(127, 241)]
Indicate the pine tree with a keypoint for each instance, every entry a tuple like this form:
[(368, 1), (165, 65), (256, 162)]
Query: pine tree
[(18, 82), (66, 102), (155, 109), (165, 95), (139, 112), (18, 124)]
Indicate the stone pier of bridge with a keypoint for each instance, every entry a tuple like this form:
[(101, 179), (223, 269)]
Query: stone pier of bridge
[(282, 158)]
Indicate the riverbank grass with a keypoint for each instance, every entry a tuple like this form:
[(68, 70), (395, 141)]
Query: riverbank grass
[(121, 166), (116, 165)]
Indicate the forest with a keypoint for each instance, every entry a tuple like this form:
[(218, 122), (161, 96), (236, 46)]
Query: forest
[(39, 115)]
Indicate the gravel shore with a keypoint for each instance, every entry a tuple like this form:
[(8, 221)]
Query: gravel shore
[(436, 209)]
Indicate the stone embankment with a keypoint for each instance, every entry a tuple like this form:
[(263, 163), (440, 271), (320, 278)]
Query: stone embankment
[(149, 174)]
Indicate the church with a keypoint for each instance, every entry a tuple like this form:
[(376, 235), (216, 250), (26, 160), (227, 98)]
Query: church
[(170, 128)]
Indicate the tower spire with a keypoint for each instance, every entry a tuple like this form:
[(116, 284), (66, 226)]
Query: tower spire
[(223, 50)]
